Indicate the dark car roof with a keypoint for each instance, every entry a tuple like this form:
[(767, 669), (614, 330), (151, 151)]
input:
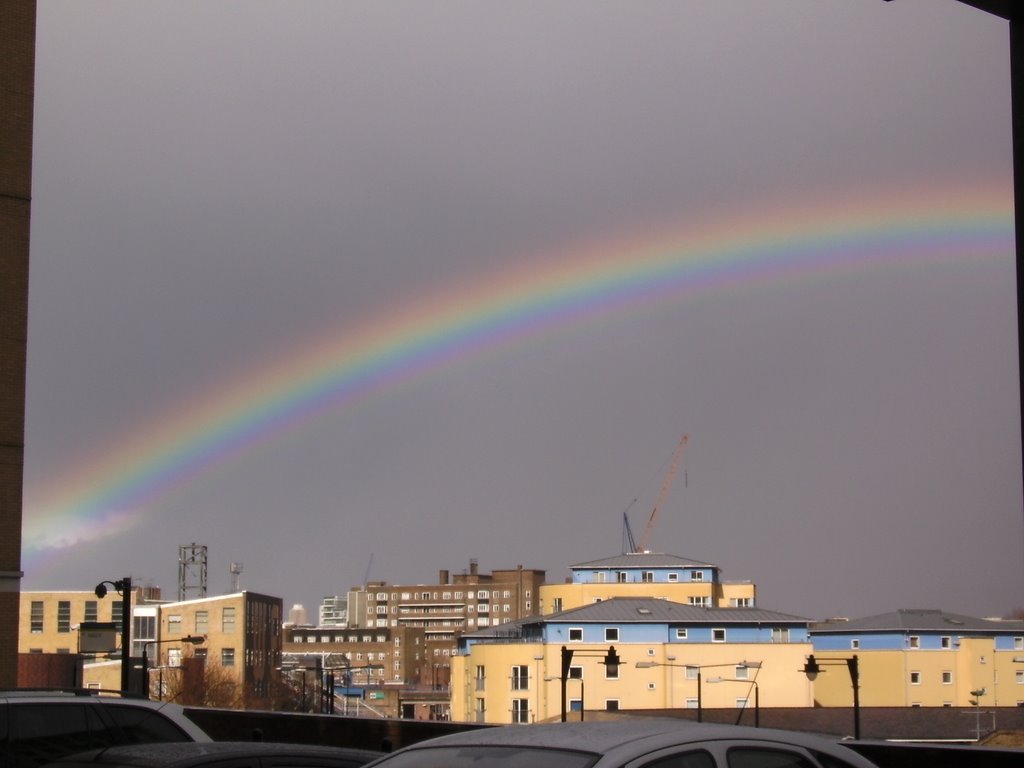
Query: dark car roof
[(621, 740), (183, 754)]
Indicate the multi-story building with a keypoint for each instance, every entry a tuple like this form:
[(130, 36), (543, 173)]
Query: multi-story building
[(242, 634), (457, 603), (373, 668), (921, 658), (50, 621), (647, 574), (669, 656), (334, 611)]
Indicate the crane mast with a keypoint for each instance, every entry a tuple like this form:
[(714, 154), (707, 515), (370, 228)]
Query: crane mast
[(666, 485)]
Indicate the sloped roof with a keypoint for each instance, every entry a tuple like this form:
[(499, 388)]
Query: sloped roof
[(917, 619), (644, 560), (623, 610)]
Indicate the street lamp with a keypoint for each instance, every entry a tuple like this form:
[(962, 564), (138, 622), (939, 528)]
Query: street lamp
[(757, 697), (812, 668), (610, 659), (698, 667), (123, 588), (188, 639)]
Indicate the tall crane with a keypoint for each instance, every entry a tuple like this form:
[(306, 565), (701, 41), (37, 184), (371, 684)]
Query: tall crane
[(666, 485)]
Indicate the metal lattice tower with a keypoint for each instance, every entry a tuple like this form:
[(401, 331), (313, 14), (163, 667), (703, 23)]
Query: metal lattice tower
[(191, 571)]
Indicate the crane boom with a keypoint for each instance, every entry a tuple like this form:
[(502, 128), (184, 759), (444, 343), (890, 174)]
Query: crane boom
[(677, 456)]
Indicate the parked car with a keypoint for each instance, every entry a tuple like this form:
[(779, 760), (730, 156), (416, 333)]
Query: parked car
[(219, 754), (38, 726), (626, 743)]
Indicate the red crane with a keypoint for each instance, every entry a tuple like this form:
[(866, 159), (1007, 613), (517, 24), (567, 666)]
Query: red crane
[(677, 456)]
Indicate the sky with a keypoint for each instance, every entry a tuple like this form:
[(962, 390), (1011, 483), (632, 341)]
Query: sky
[(371, 289)]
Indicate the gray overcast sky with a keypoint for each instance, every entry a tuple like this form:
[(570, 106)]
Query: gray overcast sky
[(216, 185)]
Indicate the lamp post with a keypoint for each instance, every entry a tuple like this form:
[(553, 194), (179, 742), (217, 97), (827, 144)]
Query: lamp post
[(757, 697), (976, 703), (123, 587), (698, 667), (188, 639), (610, 659), (812, 668)]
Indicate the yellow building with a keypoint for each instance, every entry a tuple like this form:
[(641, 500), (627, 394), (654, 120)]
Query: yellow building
[(242, 641), (921, 658), (241, 638), (671, 656), (647, 574)]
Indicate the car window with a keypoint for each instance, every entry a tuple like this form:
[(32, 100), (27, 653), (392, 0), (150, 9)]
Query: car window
[(41, 733), (760, 757), (141, 725), (831, 761), (692, 759)]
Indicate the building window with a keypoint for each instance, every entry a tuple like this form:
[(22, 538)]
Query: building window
[(915, 641), (611, 634), (691, 703), (717, 635), (520, 711), (692, 673), (64, 616), (780, 635), (701, 600), (611, 671), (742, 672), (854, 644), (227, 657), (520, 678), (575, 673), (673, 576), (1019, 676), (946, 641), (741, 602), (680, 633), (227, 620), (202, 622), (1018, 643), (174, 624), (648, 577), (611, 705), (947, 678), (621, 577), (575, 634), (915, 678), (91, 611), (741, 703), (36, 617), (697, 576), (116, 607), (480, 677), (174, 657)]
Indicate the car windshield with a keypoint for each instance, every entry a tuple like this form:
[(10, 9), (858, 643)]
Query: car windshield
[(490, 757)]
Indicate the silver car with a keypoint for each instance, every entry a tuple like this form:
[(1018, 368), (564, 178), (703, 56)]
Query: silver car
[(627, 743)]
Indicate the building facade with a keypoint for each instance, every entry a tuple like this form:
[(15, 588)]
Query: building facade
[(241, 636), (373, 671), (671, 656), (455, 604), (647, 574), (921, 658), (243, 639)]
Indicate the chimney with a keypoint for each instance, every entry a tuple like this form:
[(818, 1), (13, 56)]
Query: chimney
[(443, 576), (473, 566)]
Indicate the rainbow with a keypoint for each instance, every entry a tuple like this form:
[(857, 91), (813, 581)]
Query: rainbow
[(953, 223)]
